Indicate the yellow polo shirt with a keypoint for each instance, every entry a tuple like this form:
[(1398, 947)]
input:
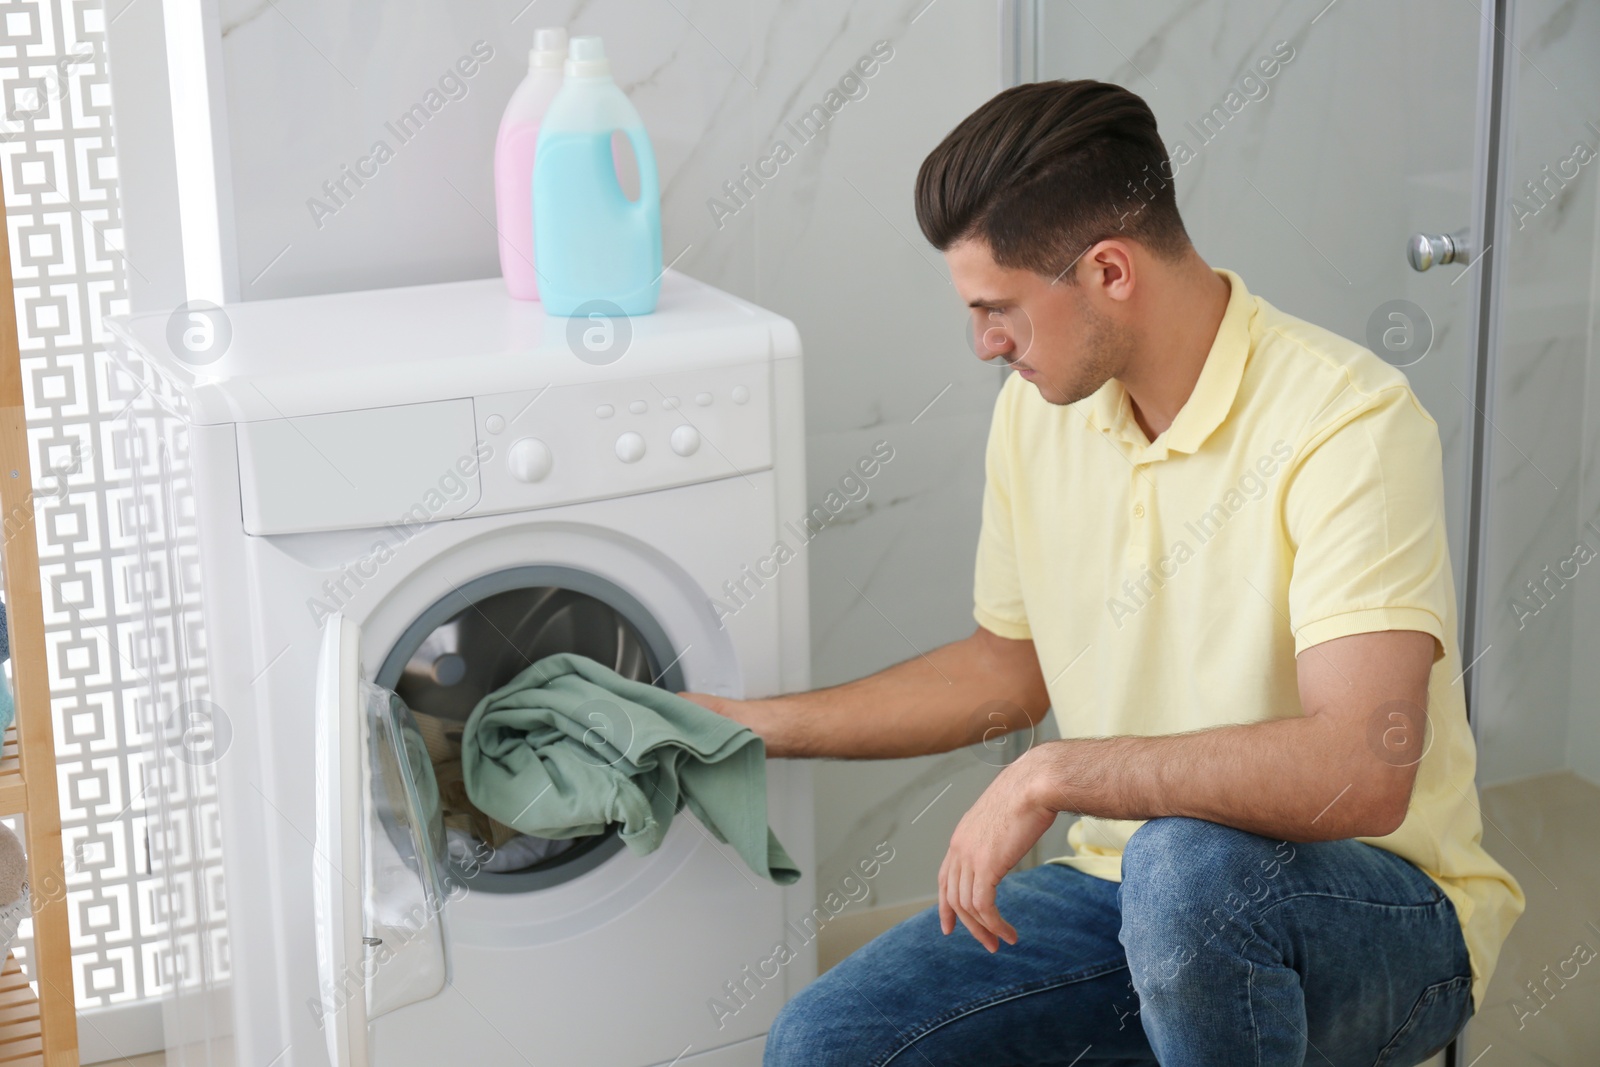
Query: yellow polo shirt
[(1168, 585)]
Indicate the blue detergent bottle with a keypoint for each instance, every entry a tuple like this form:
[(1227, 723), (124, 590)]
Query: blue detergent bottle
[(591, 243)]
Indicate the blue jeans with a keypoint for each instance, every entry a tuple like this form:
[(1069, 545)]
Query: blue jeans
[(1218, 947)]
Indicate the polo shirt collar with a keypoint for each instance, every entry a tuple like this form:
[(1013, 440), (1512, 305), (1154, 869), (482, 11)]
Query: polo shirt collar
[(1111, 411)]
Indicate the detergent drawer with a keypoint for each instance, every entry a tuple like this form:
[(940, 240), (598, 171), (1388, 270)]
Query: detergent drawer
[(348, 469)]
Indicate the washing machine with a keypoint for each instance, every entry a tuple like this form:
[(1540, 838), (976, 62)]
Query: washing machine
[(401, 498)]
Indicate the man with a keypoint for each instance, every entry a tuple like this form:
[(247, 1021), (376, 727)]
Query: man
[(1213, 542)]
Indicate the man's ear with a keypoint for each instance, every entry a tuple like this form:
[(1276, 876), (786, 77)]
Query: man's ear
[(1110, 270)]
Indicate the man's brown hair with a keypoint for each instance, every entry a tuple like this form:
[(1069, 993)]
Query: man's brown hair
[(1043, 171)]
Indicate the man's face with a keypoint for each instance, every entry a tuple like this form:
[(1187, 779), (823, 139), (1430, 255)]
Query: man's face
[(1048, 330)]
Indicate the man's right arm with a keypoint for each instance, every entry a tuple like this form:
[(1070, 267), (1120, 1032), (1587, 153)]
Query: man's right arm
[(970, 690)]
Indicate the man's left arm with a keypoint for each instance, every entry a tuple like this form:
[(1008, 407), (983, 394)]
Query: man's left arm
[(1343, 769)]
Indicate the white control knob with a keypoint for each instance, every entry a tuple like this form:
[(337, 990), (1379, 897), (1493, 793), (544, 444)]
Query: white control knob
[(685, 440), (630, 447), (530, 460)]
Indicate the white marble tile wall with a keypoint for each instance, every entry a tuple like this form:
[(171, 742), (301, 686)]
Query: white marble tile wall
[(1309, 191), (830, 242)]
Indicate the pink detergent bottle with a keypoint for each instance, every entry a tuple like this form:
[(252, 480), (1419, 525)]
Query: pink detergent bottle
[(513, 161)]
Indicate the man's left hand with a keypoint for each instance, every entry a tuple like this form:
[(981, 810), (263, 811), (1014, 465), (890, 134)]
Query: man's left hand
[(991, 838)]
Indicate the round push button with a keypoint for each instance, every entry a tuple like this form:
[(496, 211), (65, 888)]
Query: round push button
[(530, 460), (604, 411), (740, 394), (638, 407), (703, 399), (495, 423), (630, 447), (686, 440)]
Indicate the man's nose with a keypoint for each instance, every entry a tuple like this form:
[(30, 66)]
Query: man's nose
[(993, 340)]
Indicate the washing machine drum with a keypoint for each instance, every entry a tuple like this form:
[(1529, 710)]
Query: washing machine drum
[(473, 642)]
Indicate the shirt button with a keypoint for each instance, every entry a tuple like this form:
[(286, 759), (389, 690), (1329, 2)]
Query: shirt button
[(1138, 511)]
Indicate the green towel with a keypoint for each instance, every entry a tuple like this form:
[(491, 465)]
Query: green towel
[(568, 747)]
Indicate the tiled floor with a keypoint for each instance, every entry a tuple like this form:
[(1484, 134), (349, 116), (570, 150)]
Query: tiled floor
[(1546, 831)]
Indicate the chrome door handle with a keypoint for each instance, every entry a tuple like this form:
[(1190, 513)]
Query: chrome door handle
[(1426, 249)]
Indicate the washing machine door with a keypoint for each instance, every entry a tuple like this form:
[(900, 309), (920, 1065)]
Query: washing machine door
[(378, 892)]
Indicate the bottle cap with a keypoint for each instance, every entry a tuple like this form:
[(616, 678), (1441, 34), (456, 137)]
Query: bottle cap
[(586, 58), (549, 47)]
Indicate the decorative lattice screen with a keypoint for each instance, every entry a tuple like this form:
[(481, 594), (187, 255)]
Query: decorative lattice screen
[(129, 906)]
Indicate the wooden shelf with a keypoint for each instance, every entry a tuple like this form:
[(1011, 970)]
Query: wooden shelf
[(32, 1031), (13, 791), (20, 1044)]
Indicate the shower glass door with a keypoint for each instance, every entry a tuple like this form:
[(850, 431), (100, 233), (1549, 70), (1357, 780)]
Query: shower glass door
[(1312, 144), (1537, 680), (1306, 171)]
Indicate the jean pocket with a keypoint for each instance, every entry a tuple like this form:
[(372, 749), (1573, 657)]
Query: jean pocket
[(1438, 1015)]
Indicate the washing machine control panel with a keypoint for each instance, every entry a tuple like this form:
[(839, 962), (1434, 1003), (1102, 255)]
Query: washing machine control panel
[(564, 443)]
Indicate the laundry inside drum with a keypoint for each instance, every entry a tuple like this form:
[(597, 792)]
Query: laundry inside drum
[(475, 651)]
